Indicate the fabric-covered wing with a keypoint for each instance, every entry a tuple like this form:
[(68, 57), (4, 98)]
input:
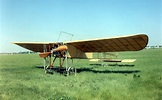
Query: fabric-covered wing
[(115, 44), (36, 46)]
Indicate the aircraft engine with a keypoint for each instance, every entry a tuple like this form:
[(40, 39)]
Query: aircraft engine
[(60, 48)]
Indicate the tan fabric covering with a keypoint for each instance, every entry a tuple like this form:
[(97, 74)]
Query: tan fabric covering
[(36, 46), (114, 44)]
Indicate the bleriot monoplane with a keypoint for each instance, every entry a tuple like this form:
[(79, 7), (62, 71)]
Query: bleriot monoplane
[(84, 48)]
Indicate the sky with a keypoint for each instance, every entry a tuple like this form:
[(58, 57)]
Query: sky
[(43, 20)]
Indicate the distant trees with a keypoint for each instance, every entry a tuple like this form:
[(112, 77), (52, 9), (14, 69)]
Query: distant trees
[(153, 47), (21, 52)]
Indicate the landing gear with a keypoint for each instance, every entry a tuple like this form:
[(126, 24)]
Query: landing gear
[(63, 57), (62, 71)]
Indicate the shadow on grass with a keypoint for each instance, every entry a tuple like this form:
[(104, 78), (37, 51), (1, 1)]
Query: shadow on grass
[(79, 70), (119, 65), (53, 69), (56, 68)]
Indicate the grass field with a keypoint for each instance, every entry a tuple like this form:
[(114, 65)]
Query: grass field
[(20, 79)]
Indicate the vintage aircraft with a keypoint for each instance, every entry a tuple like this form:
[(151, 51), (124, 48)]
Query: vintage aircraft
[(84, 48)]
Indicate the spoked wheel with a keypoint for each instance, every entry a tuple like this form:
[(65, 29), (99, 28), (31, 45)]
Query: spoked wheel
[(49, 71), (69, 71)]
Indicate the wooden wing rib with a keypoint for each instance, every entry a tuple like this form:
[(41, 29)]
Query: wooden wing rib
[(115, 44), (36, 46)]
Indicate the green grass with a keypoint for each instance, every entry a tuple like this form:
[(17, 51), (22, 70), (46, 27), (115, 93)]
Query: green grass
[(20, 79)]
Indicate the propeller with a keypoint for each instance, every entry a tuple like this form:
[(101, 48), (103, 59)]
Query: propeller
[(60, 48)]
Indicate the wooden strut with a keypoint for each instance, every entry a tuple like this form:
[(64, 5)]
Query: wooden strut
[(51, 63)]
